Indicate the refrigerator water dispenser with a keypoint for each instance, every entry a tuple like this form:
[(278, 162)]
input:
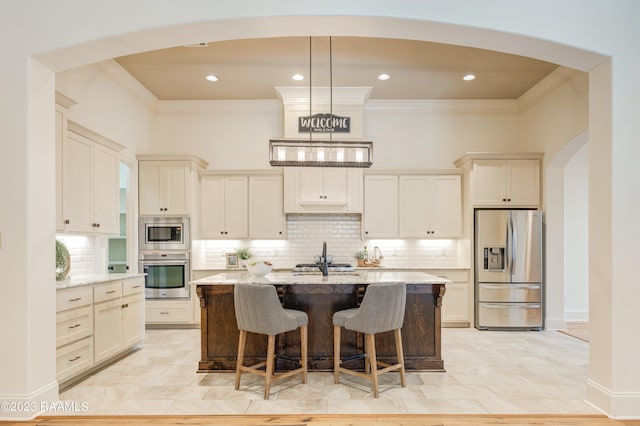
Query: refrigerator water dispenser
[(494, 258)]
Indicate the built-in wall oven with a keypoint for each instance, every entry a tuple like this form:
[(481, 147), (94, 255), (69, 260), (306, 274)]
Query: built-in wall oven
[(167, 274), (164, 244)]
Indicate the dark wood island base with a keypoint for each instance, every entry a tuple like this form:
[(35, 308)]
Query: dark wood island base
[(421, 331)]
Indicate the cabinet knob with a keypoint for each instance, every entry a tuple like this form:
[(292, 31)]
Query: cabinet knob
[(280, 232), (509, 199), (325, 197), (504, 199), (366, 232), (67, 221)]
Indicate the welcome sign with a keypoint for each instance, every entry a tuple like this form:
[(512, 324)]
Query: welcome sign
[(324, 123)]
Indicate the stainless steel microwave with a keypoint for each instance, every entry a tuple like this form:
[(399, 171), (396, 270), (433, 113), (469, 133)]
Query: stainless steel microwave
[(164, 233)]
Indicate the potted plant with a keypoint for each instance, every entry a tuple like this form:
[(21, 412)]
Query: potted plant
[(244, 254), (63, 261), (362, 258)]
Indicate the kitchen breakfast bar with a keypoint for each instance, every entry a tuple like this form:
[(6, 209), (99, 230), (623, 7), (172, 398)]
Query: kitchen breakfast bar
[(320, 296)]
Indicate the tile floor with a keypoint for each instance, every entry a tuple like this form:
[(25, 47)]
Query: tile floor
[(487, 372)]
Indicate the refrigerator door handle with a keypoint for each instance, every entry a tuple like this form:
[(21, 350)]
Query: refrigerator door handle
[(510, 247), (508, 305)]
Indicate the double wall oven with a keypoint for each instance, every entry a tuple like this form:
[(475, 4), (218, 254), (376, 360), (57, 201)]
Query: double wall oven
[(165, 256)]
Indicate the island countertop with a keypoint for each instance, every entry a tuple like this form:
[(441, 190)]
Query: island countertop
[(356, 277)]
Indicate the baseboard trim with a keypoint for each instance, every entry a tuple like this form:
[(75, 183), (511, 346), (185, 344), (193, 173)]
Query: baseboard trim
[(617, 405), (555, 324), (27, 407)]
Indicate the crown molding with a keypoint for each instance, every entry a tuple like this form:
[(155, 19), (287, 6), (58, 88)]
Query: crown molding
[(122, 78), (557, 78), (217, 107), (64, 101), (79, 129), (482, 106)]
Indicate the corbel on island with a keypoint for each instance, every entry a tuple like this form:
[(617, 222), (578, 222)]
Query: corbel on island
[(320, 296)]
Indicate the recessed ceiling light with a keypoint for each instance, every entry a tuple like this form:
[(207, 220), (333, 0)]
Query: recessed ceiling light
[(212, 77), (469, 77), (384, 77), (297, 77)]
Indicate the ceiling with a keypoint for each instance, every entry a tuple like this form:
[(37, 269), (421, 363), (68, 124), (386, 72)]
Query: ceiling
[(251, 68)]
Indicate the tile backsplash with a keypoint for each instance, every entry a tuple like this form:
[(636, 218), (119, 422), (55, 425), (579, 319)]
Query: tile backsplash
[(305, 234), (88, 254)]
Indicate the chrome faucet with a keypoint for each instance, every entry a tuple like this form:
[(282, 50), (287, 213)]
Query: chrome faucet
[(324, 264)]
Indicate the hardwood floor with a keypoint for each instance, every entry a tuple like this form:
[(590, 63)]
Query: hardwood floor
[(337, 420), (579, 330)]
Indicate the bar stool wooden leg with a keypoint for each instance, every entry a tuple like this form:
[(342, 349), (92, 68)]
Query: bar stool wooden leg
[(241, 345), (400, 352), (367, 358), (303, 352), (336, 353), (373, 361), (271, 350)]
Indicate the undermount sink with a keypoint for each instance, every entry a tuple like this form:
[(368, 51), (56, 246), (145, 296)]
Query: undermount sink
[(330, 273)]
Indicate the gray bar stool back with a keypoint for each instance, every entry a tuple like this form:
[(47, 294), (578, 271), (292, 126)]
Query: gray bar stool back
[(258, 310), (381, 310)]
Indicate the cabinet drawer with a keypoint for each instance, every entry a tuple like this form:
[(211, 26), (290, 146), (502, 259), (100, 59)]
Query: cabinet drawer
[(133, 286), (73, 324), (168, 314), (73, 298), (74, 358), (108, 291), (509, 292)]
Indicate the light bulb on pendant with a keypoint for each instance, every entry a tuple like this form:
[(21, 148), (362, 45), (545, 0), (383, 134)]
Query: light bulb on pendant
[(340, 154), (300, 154), (281, 154), (320, 154)]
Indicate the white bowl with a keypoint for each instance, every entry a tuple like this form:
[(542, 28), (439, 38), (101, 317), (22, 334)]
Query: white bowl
[(260, 267)]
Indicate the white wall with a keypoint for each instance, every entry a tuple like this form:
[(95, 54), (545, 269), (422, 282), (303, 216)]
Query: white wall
[(576, 236), (405, 134), (111, 103)]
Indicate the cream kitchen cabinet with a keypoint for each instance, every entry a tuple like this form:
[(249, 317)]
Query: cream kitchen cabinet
[(430, 206), (90, 190), (169, 312), (506, 182), (380, 218), (97, 318), (323, 190), (224, 207), (95, 323), (118, 317), (74, 331), (266, 211), (164, 188), (458, 298)]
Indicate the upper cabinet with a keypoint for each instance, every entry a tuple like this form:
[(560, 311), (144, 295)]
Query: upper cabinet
[(416, 205), (430, 206), (224, 211), (241, 204), (89, 194), (322, 190), (166, 184), (266, 213), (503, 179), (380, 218)]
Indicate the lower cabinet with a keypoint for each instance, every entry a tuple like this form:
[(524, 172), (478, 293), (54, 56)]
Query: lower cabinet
[(97, 322), (169, 311), (457, 301)]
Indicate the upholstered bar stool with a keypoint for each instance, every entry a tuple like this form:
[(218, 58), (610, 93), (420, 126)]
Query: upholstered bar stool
[(258, 310), (381, 310)]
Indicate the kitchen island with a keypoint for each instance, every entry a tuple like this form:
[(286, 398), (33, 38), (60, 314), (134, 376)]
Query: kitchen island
[(320, 297)]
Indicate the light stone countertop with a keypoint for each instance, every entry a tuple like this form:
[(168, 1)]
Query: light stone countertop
[(357, 277), (94, 279)]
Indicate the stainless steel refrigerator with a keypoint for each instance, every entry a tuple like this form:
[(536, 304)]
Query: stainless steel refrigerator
[(509, 287)]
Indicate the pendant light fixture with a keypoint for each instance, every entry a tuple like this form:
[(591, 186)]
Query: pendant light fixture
[(321, 153)]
